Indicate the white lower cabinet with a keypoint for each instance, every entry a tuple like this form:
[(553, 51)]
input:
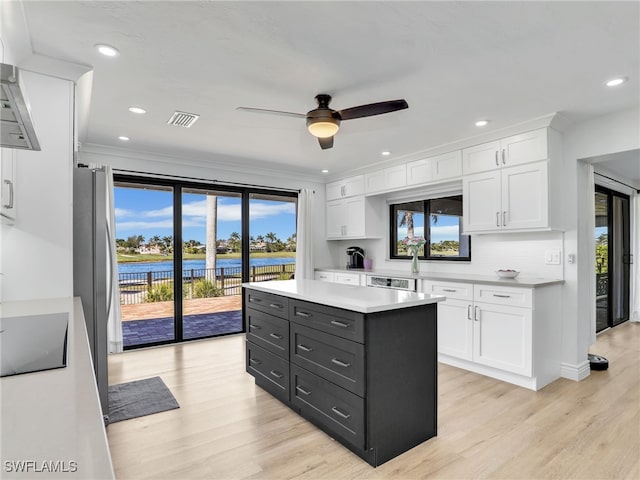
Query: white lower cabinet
[(340, 277), (492, 330), (502, 337), (323, 276)]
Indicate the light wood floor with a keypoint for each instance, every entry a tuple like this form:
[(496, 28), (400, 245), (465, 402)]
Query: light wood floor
[(227, 428)]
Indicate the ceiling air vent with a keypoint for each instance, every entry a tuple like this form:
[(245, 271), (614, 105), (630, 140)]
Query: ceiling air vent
[(183, 119)]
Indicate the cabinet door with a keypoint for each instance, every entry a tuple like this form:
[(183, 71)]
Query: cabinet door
[(455, 329), (524, 148), (336, 219), (374, 182), (355, 217), (334, 190), (420, 171), (525, 196), (448, 165), (503, 337), (354, 186), (395, 177), (481, 202), (481, 158), (7, 186)]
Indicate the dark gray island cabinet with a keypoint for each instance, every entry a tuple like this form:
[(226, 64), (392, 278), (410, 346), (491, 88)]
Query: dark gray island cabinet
[(358, 362)]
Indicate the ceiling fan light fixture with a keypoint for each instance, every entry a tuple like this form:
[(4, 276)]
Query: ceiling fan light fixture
[(323, 127)]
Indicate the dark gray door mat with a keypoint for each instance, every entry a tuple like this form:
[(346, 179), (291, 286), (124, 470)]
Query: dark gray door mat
[(139, 398)]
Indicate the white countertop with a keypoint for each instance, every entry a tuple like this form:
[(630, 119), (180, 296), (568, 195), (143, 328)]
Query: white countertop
[(520, 281), (348, 297), (54, 415)]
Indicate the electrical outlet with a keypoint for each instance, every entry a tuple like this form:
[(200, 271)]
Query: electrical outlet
[(552, 257)]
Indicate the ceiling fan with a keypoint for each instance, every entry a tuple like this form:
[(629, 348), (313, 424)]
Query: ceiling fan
[(323, 122)]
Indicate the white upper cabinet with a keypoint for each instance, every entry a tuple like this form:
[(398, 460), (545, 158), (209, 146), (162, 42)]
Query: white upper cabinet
[(7, 186), (347, 187), (514, 198), (391, 178), (434, 169), (515, 150), (353, 217)]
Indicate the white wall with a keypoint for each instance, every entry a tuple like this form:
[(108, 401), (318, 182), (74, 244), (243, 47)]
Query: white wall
[(619, 132), (37, 249)]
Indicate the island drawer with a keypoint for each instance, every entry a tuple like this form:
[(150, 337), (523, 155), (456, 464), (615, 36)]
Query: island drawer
[(336, 359), (267, 302), (343, 323), (329, 406), (268, 331), (270, 371)]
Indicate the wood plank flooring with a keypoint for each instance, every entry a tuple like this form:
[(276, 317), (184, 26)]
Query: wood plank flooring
[(227, 428)]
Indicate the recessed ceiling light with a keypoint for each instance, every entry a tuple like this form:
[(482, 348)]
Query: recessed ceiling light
[(137, 110), (107, 50), (386, 153), (325, 171), (614, 82), (123, 138), (482, 123)]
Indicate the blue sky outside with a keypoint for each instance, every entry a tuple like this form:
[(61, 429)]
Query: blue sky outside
[(447, 228), (149, 212)]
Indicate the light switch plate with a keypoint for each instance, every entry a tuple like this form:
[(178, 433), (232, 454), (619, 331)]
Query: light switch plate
[(552, 257)]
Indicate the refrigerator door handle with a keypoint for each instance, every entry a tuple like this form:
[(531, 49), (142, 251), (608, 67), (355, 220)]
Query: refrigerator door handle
[(112, 268)]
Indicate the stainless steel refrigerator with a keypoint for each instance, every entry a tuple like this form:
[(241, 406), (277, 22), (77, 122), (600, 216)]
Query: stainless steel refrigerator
[(90, 266)]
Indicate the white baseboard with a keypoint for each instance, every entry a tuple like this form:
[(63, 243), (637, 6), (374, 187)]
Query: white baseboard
[(575, 372)]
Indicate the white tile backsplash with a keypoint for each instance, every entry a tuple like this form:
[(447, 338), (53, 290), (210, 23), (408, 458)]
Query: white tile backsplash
[(524, 252)]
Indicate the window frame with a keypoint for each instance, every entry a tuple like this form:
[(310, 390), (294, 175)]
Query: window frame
[(393, 241)]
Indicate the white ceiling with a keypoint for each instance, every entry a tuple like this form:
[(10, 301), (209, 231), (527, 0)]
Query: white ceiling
[(454, 63)]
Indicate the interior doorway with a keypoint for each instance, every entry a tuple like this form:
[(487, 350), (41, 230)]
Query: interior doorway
[(613, 257)]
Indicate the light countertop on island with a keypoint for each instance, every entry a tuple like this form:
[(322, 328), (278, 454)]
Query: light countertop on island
[(53, 418), (348, 297), (521, 281)]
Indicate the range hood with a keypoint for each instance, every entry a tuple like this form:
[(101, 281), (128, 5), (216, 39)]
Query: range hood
[(16, 129)]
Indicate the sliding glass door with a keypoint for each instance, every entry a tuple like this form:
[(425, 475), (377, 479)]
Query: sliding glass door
[(144, 242), (211, 263), (184, 250), (612, 257)]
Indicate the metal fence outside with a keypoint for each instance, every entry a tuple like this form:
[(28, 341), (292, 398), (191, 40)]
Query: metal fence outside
[(136, 287)]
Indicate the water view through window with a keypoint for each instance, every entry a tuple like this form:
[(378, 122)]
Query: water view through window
[(206, 301)]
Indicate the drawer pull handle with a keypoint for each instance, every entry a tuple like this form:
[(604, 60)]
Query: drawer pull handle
[(476, 315), (276, 336), (255, 361), (302, 390), (255, 327), (337, 411), (303, 314), (255, 300), (276, 374), (339, 324), (468, 312), (340, 362), (501, 296), (275, 305), (453, 290), (304, 348)]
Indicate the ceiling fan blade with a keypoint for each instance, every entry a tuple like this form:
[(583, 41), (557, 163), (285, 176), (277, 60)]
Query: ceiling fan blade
[(274, 112), (373, 109), (325, 142)]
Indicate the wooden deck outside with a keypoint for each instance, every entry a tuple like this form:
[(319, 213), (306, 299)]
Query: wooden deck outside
[(147, 311)]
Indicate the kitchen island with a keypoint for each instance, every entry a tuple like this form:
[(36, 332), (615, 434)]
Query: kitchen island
[(359, 363)]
